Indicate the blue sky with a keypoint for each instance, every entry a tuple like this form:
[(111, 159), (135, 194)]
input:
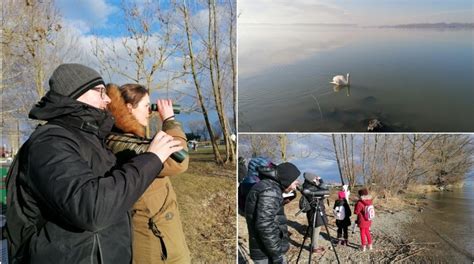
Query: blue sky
[(86, 19), (362, 12), (100, 17)]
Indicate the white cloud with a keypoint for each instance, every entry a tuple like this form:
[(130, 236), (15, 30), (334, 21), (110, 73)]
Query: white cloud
[(86, 14)]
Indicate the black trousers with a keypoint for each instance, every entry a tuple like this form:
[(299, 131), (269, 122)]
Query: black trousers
[(342, 229)]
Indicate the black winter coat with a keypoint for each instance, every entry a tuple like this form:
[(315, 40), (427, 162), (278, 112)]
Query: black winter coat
[(266, 221), (319, 219), (310, 213), (348, 213), (67, 177)]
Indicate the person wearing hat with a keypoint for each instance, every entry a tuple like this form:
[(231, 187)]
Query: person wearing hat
[(364, 224), (316, 183), (69, 201), (265, 216), (342, 212)]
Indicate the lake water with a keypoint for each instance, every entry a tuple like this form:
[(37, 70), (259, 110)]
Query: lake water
[(411, 80), (448, 219)]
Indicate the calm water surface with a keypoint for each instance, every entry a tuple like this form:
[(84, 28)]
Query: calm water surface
[(448, 220), (411, 80)]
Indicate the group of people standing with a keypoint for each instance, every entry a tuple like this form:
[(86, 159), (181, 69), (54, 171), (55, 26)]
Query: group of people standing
[(262, 196), (363, 209), (88, 186)]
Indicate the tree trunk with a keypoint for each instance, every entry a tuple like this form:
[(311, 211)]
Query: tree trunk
[(337, 158), (215, 147)]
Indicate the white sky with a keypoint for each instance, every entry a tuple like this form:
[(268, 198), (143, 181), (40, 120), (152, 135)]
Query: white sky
[(362, 12)]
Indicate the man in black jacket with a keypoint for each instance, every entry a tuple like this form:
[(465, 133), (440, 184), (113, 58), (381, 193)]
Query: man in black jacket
[(266, 220), (65, 185)]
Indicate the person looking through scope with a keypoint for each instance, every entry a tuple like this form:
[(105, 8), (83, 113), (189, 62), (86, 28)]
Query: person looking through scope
[(314, 186)]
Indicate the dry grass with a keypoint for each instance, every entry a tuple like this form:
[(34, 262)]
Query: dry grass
[(206, 196)]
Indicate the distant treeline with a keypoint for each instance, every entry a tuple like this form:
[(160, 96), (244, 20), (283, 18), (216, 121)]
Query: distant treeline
[(388, 161), (434, 26)]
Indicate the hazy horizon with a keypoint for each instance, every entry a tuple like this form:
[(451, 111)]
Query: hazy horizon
[(356, 25), (362, 12)]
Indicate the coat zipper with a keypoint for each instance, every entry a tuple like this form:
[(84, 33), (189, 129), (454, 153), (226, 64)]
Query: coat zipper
[(96, 241)]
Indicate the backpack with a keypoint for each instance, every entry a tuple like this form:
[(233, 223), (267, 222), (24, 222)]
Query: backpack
[(369, 212), (250, 180), (20, 229), (304, 204), (340, 212), (244, 189)]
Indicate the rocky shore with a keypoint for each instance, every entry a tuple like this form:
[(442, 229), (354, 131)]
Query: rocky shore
[(394, 233)]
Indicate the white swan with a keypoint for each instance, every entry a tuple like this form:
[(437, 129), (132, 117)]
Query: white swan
[(340, 80)]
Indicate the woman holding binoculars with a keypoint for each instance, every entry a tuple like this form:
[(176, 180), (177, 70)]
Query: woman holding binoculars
[(157, 230)]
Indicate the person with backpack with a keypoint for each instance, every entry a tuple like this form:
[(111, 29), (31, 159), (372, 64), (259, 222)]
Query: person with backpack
[(251, 179), (68, 201), (265, 215), (364, 210), (241, 169), (342, 212)]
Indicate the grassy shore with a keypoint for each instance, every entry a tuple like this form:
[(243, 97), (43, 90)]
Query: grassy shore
[(206, 197), (391, 242)]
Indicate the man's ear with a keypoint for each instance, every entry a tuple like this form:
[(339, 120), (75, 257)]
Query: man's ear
[(129, 107)]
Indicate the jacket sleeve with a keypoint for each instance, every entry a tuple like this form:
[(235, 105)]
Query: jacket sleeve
[(358, 209), (171, 167), (348, 209), (65, 184), (266, 226)]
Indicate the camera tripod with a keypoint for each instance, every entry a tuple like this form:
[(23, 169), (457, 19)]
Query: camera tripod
[(314, 204)]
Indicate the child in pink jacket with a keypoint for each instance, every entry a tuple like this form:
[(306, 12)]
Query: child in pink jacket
[(363, 219)]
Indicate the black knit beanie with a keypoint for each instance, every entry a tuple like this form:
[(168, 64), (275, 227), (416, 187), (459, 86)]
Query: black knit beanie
[(73, 80), (287, 173)]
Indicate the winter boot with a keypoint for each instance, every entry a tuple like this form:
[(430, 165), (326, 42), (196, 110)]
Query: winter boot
[(363, 248)]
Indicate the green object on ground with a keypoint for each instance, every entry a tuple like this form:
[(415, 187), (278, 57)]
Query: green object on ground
[(3, 184)]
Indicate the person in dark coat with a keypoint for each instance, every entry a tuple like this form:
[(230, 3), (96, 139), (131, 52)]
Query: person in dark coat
[(251, 179), (242, 169), (265, 216), (342, 224), (67, 183), (317, 184)]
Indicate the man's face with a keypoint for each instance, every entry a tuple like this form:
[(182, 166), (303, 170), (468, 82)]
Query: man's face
[(96, 97), (316, 180), (292, 186)]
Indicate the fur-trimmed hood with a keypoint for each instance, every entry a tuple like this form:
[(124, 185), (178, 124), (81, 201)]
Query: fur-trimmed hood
[(366, 197), (124, 120)]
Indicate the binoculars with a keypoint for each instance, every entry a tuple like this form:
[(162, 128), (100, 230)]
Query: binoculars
[(178, 156), (176, 108)]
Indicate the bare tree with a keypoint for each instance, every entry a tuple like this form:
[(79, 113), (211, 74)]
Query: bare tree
[(29, 44), (253, 145), (197, 83)]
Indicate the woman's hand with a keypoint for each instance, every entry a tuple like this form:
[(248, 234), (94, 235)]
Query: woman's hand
[(163, 145), (165, 109)]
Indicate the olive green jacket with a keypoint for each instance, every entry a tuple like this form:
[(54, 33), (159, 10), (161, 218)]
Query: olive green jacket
[(158, 235)]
